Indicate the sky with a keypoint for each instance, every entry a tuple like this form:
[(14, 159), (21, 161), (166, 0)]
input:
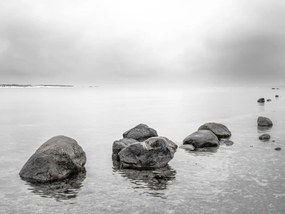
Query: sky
[(189, 42)]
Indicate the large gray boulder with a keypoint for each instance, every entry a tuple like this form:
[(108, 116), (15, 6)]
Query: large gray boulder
[(59, 158), (118, 145), (153, 153), (201, 139), (220, 130), (264, 121), (140, 133)]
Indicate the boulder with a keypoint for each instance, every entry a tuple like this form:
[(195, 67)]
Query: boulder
[(220, 130), (202, 138), (264, 137), (57, 159), (153, 153), (140, 133), (261, 100), (264, 122), (118, 145)]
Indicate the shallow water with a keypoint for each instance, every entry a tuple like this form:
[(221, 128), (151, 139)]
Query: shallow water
[(247, 177)]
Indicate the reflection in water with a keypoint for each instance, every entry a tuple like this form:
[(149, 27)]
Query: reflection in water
[(61, 190), (154, 180)]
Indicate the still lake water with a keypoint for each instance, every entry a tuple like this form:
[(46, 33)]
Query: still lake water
[(248, 177)]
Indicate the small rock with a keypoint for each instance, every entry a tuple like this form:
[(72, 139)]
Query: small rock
[(264, 121), (118, 145), (268, 100), (202, 138), (140, 133), (273, 141), (277, 148), (264, 137), (226, 142), (276, 96), (220, 130), (273, 88), (261, 100)]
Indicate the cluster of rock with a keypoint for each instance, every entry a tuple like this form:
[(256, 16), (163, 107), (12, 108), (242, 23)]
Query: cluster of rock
[(208, 135), (142, 148)]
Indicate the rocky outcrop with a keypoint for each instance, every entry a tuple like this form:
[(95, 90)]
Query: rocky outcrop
[(153, 153), (140, 133), (264, 122), (220, 130), (202, 138), (57, 159)]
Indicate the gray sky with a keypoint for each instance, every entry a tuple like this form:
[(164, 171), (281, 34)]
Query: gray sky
[(189, 41)]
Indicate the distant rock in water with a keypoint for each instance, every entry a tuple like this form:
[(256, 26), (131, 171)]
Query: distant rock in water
[(153, 153), (140, 133), (264, 137), (261, 100), (202, 138), (276, 96), (277, 148), (57, 159), (220, 130), (264, 121), (268, 100), (118, 145)]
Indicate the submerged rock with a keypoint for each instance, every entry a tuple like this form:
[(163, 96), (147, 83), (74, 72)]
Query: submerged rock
[(153, 153), (57, 159), (277, 148), (268, 100), (261, 100), (264, 121), (140, 133), (220, 130), (264, 137), (226, 142), (202, 138)]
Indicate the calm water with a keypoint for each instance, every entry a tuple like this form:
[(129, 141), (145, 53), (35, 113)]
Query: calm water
[(248, 177)]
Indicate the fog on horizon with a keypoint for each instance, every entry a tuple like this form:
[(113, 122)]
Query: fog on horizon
[(184, 42)]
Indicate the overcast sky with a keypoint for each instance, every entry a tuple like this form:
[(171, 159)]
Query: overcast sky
[(98, 41)]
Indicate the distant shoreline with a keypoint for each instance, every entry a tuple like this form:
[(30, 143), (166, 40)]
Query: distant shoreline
[(31, 86)]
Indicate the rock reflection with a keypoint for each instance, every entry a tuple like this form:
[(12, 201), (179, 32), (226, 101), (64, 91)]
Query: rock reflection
[(264, 128), (155, 180), (61, 190)]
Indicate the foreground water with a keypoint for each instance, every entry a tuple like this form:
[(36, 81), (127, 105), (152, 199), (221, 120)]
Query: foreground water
[(248, 177)]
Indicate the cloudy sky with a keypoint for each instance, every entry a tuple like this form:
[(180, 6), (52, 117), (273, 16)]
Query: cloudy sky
[(99, 41)]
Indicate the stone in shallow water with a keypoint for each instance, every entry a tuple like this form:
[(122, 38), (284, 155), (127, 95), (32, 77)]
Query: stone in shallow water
[(155, 152), (277, 148), (118, 145), (264, 137), (220, 130), (202, 138), (264, 121), (226, 142), (140, 133), (59, 158)]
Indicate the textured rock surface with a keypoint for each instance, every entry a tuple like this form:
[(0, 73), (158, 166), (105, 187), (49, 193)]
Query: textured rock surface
[(264, 137), (202, 138), (264, 121), (140, 133), (118, 145), (155, 152), (220, 130), (226, 142), (58, 158)]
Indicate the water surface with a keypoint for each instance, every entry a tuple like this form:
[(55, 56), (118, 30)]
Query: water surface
[(248, 177)]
